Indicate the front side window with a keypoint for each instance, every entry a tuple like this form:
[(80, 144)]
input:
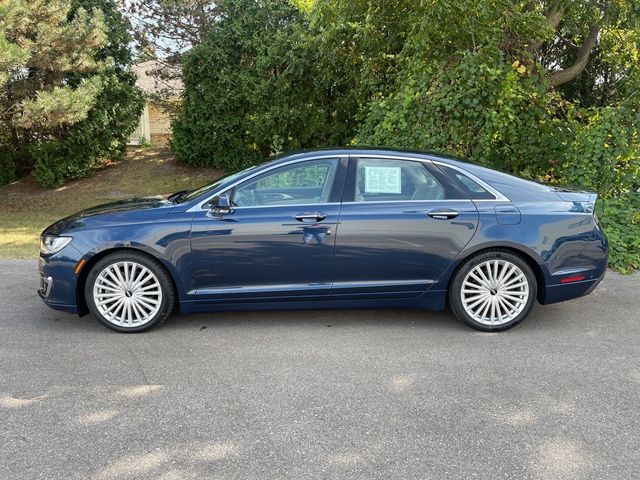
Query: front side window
[(380, 180), (297, 184)]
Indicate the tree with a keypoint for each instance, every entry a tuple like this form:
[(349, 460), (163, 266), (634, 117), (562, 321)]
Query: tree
[(165, 30), (67, 97), (514, 85), (40, 47), (247, 93)]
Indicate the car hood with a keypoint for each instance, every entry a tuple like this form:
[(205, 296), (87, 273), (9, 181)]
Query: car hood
[(107, 213)]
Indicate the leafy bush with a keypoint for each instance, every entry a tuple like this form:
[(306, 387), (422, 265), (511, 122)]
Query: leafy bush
[(480, 108), (604, 155), (57, 161), (247, 95), (620, 220), (7, 166)]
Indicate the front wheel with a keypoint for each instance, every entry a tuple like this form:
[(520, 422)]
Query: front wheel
[(129, 292), (493, 291)]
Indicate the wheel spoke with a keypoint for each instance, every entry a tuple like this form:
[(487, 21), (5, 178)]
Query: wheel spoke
[(477, 301), (138, 280), (139, 315), (513, 298), (514, 280)]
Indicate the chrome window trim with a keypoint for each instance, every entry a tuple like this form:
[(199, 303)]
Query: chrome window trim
[(466, 200), (289, 205), (500, 197), (200, 206)]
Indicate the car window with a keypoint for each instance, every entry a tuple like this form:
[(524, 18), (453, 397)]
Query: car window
[(381, 180), (473, 189), (300, 183)]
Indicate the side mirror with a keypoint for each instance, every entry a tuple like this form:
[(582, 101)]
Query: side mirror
[(220, 205)]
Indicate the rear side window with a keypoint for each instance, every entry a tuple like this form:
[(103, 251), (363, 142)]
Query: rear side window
[(381, 180), (473, 189)]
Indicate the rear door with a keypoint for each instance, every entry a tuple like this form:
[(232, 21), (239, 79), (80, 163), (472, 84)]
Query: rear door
[(402, 223)]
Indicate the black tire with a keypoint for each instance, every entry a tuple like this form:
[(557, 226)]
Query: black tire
[(456, 295), (166, 304)]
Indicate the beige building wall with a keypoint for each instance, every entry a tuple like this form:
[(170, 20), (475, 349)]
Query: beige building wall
[(154, 126), (159, 125)]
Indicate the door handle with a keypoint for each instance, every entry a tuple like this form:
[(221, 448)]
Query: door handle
[(315, 216), (442, 214)]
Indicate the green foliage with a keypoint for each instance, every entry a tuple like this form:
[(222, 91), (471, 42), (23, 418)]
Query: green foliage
[(7, 166), (78, 102), (50, 171), (604, 155), (480, 107), (246, 96), (620, 220), (40, 45), (103, 134)]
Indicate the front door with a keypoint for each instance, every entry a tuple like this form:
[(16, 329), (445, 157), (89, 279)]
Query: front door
[(401, 225), (277, 242)]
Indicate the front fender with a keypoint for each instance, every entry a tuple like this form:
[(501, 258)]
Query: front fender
[(166, 241)]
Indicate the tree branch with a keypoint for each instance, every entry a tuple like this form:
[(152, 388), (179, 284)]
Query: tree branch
[(554, 17), (569, 73)]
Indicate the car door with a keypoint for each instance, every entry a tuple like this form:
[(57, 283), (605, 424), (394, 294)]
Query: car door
[(402, 223), (277, 241)]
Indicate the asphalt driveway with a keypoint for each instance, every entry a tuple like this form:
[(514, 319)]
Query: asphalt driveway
[(321, 394)]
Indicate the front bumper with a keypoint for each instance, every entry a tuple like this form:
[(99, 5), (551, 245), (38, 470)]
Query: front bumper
[(58, 282)]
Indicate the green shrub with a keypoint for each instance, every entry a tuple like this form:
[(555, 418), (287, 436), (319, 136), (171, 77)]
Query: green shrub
[(604, 155), (248, 94), (57, 161), (480, 107), (620, 220), (7, 166)]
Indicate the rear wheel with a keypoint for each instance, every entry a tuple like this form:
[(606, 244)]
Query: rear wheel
[(493, 291), (129, 292)]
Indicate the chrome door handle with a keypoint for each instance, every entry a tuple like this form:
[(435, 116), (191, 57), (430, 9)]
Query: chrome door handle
[(315, 216), (442, 214)]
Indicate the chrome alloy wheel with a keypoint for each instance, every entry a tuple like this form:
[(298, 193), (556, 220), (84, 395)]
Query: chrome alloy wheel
[(127, 294), (494, 292)]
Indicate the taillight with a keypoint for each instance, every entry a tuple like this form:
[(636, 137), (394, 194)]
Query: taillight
[(572, 278)]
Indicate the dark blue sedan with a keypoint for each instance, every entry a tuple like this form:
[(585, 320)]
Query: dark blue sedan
[(343, 228)]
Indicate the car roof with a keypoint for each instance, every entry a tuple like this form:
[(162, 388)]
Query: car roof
[(513, 187)]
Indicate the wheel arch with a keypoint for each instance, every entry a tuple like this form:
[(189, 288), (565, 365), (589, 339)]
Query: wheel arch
[(81, 301)]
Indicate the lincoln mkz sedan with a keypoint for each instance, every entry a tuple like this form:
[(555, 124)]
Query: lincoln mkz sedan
[(342, 228)]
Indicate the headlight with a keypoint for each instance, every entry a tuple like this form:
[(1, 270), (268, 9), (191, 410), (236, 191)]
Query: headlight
[(50, 244)]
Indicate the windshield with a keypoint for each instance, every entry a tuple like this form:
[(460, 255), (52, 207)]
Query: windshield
[(193, 194)]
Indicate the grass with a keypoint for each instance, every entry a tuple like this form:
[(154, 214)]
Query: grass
[(26, 208)]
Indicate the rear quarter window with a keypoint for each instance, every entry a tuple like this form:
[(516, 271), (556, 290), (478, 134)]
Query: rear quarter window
[(473, 189)]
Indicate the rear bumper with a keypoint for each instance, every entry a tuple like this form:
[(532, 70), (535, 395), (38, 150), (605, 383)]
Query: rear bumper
[(568, 291)]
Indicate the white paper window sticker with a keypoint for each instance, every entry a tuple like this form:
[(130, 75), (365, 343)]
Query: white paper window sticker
[(382, 180)]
